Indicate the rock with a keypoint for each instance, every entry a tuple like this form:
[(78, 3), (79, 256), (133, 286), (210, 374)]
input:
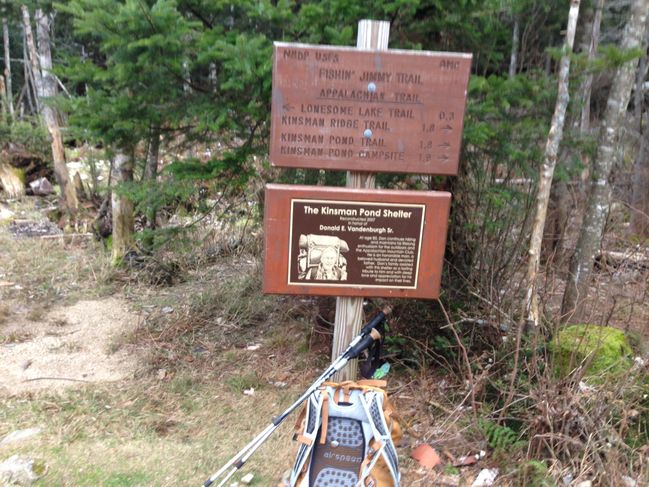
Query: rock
[(41, 187), (602, 349), (6, 214), (629, 482), (254, 347), (167, 309), (18, 470), (19, 435), (247, 479), (486, 477), (249, 392), (585, 483)]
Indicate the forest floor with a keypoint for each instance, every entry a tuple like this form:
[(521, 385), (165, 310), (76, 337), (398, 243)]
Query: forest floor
[(131, 384), (126, 384)]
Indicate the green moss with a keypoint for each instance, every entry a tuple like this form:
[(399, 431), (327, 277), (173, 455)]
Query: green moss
[(39, 468), (602, 349)]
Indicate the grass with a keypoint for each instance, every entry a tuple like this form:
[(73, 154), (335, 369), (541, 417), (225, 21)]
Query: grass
[(5, 313), (146, 433), (151, 431), (51, 271)]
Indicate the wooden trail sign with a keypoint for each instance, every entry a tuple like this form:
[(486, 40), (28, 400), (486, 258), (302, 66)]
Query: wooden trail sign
[(351, 242), (367, 109)]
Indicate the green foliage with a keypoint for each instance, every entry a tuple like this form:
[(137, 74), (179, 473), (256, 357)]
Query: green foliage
[(29, 134), (500, 437), (612, 57), (131, 79), (451, 470), (505, 130), (240, 383), (533, 473)]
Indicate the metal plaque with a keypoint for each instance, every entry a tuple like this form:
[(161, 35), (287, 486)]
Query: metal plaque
[(367, 110), (350, 242)]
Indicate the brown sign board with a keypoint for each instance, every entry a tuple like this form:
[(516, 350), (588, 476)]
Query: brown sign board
[(351, 242), (367, 110)]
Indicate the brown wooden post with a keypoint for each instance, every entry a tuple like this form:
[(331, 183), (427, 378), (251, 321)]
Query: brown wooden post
[(372, 34)]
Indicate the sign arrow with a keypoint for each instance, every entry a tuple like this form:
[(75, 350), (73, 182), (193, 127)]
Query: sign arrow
[(444, 145), (287, 107), (443, 158), (447, 128)]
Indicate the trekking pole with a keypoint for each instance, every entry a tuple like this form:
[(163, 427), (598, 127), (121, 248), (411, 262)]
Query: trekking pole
[(362, 341)]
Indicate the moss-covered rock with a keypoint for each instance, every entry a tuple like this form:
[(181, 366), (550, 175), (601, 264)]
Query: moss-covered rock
[(601, 349)]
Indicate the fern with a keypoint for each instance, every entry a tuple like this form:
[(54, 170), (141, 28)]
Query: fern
[(499, 437)]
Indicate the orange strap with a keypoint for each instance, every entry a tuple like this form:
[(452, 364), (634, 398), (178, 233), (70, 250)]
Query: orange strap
[(325, 419), (346, 393), (304, 439), (375, 446), (373, 383)]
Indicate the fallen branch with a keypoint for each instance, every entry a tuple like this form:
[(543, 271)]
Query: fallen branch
[(635, 259)]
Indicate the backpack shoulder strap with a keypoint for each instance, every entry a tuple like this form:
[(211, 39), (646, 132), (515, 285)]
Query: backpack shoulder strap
[(307, 432), (372, 402)]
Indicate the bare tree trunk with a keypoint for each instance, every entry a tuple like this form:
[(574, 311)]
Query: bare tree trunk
[(587, 83), (151, 174), (8, 81), (122, 208), (46, 88), (531, 304), (152, 156), (31, 57), (640, 199), (3, 98), (513, 60), (638, 95), (597, 209), (30, 85)]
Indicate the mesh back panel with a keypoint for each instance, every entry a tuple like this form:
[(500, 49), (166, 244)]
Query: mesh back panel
[(347, 432), (331, 477)]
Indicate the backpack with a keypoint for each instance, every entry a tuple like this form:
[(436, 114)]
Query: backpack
[(346, 433)]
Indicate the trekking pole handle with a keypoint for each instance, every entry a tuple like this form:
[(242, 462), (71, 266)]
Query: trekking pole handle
[(376, 321), (365, 343)]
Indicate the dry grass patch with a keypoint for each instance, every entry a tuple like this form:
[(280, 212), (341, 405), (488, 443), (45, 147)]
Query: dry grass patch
[(166, 433), (49, 270)]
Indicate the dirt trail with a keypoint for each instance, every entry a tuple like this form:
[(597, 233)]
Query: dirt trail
[(70, 346)]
